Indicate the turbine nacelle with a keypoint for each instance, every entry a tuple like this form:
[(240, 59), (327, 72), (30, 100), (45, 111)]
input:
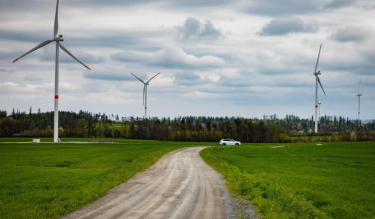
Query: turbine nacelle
[(58, 38)]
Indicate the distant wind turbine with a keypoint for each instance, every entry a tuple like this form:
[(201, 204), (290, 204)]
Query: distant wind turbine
[(317, 80), (57, 39), (145, 84), (359, 100)]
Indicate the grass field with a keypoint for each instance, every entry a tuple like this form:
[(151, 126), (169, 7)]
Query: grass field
[(48, 180), (315, 138), (335, 180)]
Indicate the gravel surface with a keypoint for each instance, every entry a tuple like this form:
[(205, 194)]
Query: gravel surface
[(180, 185)]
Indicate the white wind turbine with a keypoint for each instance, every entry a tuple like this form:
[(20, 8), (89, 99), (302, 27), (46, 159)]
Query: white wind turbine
[(57, 39), (317, 80), (145, 84), (359, 100)]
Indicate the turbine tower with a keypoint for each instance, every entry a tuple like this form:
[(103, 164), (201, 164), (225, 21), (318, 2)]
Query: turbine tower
[(359, 101), (317, 80), (57, 38), (145, 84), (319, 103)]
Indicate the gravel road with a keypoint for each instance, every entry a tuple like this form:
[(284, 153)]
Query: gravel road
[(180, 185)]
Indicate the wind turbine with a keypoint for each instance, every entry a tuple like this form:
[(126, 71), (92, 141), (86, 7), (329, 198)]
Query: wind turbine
[(57, 39), (317, 80), (359, 100), (145, 84)]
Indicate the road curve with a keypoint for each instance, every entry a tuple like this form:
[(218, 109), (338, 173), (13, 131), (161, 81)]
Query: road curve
[(180, 185)]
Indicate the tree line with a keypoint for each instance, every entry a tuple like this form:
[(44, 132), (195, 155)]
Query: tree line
[(189, 128)]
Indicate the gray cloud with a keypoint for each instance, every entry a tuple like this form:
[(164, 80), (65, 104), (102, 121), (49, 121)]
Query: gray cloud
[(140, 40), (31, 78), (279, 8), (109, 76), (210, 32), (171, 3), (287, 25), (6, 70), (351, 33), (335, 4), (366, 67), (170, 57), (193, 29), (23, 36), (200, 3), (232, 82), (188, 79), (24, 5)]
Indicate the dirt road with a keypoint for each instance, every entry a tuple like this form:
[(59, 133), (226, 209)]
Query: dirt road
[(180, 185)]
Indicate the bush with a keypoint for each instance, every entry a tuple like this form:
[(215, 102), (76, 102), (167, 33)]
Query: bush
[(284, 138)]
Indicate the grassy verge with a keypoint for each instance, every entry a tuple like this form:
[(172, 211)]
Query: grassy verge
[(49, 180), (335, 180)]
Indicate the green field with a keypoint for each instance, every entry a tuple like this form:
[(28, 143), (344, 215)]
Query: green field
[(48, 180), (335, 180)]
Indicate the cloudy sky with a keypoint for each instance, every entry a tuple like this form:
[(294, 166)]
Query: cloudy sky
[(244, 58)]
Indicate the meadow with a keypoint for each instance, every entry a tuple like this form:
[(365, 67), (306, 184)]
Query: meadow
[(48, 180), (283, 181)]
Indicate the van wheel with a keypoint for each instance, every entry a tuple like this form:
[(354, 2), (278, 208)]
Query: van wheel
[(224, 144), (237, 144)]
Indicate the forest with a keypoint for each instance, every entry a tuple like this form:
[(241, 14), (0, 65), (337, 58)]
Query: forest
[(188, 128)]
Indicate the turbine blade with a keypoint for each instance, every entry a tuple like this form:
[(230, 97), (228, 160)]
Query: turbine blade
[(153, 77), (35, 48), (137, 78), (317, 61), (359, 85), (321, 86), (56, 26), (65, 50)]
